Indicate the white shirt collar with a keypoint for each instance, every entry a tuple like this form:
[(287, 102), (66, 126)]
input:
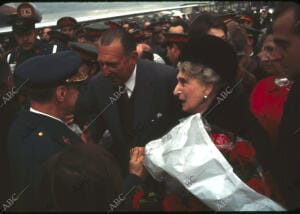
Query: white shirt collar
[(130, 83), (42, 113)]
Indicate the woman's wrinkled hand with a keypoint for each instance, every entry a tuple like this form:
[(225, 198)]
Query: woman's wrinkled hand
[(136, 163)]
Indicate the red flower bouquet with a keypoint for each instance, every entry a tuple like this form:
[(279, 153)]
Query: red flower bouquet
[(223, 142), (136, 198), (241, 155), (201, 163)]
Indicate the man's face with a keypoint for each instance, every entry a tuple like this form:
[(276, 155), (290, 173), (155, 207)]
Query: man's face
[(288, 43), (173, 53), (114, 64), (45, 34), (70, 31), (263, 14), (25, 40), (270, 58)]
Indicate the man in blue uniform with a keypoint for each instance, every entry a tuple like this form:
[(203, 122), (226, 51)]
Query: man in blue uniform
[(28, 45), (51, 83)]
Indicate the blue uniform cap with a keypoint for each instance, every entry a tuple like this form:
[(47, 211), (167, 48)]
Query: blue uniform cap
[(51, 70)]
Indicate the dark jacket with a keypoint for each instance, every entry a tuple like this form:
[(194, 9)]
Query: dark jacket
[(17, 55), (32, 139), (286, 159), (156, 109)]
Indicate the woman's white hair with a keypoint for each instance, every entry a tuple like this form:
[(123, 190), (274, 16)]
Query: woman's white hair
[(200, 72)]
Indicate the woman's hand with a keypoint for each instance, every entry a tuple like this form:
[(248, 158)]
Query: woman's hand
[(136, 163)]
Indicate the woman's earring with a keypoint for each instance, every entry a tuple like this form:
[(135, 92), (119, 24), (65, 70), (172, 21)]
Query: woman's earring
[(205, 97)]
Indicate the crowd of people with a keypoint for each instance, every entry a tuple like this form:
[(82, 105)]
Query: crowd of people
[(79, 105)]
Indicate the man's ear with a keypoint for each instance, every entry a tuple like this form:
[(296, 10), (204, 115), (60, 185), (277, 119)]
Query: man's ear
[(61, 92), (134, 55)]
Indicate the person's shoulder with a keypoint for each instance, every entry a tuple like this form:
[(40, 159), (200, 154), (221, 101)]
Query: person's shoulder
[(263, 85), (99, 82), (155, 65), (24, 127), (31, 128), (24, 119), (157, 69)]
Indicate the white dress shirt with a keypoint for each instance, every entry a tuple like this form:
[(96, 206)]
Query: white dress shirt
[(130, 83)]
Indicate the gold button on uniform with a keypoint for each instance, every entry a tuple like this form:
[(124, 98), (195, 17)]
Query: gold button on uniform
[(40, 134)]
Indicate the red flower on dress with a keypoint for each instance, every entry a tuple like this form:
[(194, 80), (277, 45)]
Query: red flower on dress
[(222, 142), (243, 153), (173, 202), (258, 185), (136, 198)]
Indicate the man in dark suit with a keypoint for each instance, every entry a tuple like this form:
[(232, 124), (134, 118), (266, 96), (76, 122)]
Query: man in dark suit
[(131, 98), (286, 160), (40, 132)]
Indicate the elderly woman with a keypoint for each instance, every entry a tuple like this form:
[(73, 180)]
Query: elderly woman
[(205, 83)]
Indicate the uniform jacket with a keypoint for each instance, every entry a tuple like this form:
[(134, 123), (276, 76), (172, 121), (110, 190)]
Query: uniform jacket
[(17, 55), (32, 139)]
